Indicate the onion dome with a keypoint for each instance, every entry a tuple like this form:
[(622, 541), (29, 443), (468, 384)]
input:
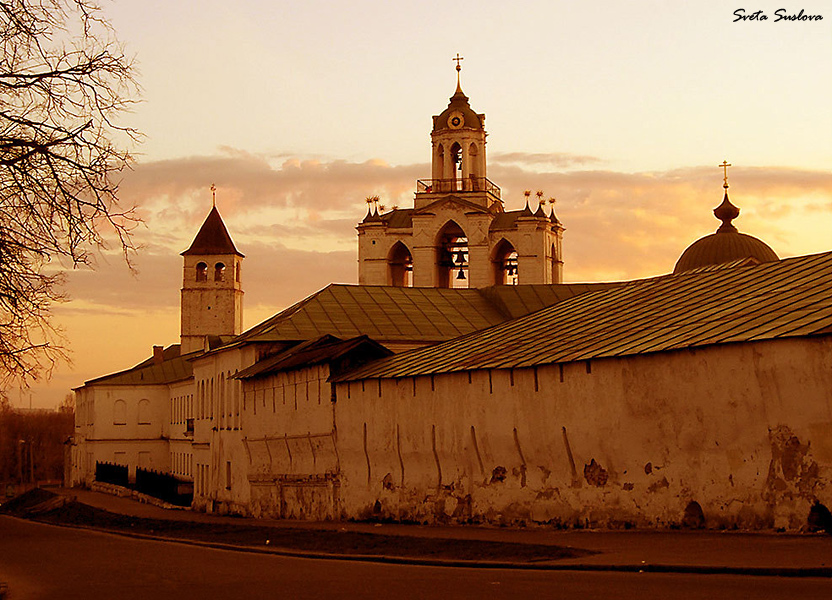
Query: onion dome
[(726, 245)]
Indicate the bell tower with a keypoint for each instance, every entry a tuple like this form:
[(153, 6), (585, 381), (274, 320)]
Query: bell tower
[(212, 294), (458, 233), (458, 148)]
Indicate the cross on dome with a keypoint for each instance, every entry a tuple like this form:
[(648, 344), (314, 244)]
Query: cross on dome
[(725, 164)]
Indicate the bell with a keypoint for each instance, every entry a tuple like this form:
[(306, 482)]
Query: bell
[(460, 257), (461, 274)]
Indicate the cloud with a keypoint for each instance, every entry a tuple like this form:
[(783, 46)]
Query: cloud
[(294, 219), (554, 159), (248, 182)]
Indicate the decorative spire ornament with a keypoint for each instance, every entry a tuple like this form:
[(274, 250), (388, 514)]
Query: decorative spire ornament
[(726, 212), (458, 58)]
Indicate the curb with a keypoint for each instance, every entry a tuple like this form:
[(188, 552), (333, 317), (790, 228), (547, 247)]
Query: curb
[(790, 572)]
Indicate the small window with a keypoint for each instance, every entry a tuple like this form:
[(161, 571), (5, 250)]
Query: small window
[(228, 475), (144, 412), (201, 272), (120, 412), (219, 272), (237, 272)]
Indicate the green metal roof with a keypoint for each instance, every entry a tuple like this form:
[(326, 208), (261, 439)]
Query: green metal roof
[(383, 313), (174, 367), (401, 314), (792, 297)]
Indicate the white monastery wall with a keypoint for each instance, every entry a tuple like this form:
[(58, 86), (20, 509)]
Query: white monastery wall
[(220, 461), (289, 424), (741, 429)]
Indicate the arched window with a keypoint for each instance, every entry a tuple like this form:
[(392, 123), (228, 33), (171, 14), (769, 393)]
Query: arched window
[(219, 272), (456, 167), (201, 271), (237, 267), (439, 170), (221, 401), (554, 258), (119, 412), (504, 260), (452, 257), (474, 174), (399, 266), (144, 411)]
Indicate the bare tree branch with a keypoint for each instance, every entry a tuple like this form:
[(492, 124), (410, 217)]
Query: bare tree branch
[(64, 83)]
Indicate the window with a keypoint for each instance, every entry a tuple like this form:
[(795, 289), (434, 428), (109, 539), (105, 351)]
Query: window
[(505, 264), (452, 257), (400, 266), (201, 272), (219, 272), (120, 412), (144, 411), (228, 475)]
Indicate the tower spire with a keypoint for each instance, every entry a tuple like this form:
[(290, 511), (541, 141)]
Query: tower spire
[(458, 58), (213, 196), (726, 212)]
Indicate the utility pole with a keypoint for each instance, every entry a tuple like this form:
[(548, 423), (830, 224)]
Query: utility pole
[(20, 460), (31, 463)]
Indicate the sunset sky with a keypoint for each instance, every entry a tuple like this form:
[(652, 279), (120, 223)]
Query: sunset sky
[(297, 111)]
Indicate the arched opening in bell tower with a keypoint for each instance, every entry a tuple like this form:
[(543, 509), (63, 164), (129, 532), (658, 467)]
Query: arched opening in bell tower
[(473, 168), (553, 265), (452, 257), (400, 266), (504, 261), (456, 167)]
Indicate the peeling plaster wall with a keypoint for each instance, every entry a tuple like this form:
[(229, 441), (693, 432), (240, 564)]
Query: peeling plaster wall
[(744, 431), (290, 439)]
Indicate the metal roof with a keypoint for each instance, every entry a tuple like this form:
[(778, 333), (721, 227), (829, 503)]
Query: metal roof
[(312, 352), (174, 367), (519, 300), (792, 297), (212, 238), (383, 313)]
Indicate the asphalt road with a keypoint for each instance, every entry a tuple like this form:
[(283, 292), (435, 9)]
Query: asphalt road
[(44, 561)]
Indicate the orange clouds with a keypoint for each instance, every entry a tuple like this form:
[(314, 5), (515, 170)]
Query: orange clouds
[(294, 219)]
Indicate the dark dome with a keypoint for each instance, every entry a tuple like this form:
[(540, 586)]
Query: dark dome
[(458, 104), (724, 246)]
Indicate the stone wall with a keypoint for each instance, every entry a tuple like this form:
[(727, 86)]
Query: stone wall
[(727, 435)]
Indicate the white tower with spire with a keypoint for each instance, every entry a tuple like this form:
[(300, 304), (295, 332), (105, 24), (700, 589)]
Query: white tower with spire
[(212, 293)]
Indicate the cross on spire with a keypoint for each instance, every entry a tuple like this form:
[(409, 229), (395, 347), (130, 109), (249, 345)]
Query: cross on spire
[(458, 58), (725, 164)]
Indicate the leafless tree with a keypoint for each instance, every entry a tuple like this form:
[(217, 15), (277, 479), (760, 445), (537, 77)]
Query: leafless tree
[(64, 83)]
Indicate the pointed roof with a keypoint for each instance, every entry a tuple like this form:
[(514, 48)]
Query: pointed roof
[(212, 238)]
